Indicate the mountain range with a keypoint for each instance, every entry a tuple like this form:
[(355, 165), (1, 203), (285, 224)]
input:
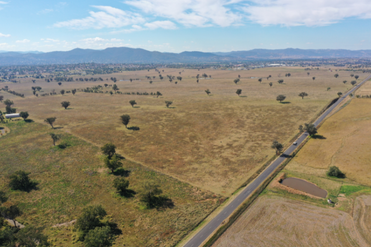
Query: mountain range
[(136, 55)]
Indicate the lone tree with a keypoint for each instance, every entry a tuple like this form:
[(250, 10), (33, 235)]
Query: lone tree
[(313, 78), (280, 81), (11, 212), (108, 149), (339, 94), (132, 102), (336, 75), (50, 121), (113, 163), (158, 94), (89, 219), (278, 146), (121, 185), (20, 181), (334, 171), (236, 80), (270, 84), (207, 91), (59, 83), (303, 94), (62, 91), (328, 88), (168, 103), (260, 80), (281, 98), (344, 81), (356, 76), (65, 104), (311, 129), (24, 115), (353, 83), (125, 120), (115, 87), (8, 102), (1, 98), (73, 91), (238, 92), (55, 137)]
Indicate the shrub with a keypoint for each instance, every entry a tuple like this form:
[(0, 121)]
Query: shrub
[(334, 171)]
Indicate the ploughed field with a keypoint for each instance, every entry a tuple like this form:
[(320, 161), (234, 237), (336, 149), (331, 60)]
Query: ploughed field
[(214, 142)]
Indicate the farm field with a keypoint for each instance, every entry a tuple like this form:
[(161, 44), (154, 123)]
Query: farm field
[(72, 178), (213, 142), (276, 221)]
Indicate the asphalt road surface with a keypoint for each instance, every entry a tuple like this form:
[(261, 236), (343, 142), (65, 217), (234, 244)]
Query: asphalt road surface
[(208, 229)]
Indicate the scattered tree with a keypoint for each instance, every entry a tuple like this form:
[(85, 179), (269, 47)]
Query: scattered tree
[(328, 88), (89, 219), (260, 80), (1, 98), (334, 171), (238, 92), (59, 83), (115, 87), (303, 94), (108, 149), (73, 91), (280, 81), (20, 181), (50, 121), (301, 129), (113, 163), (236, 80), (207, 91), (24, 115), (281, 98), (8, 102), (353, 83), (344, 81), (270, 84), (55, 137), (132, 102), (151, 196), (125, 120), (339, 94), (278, 146), (311, 129), (11, 212), (351, 75), (336, 75), (31, 236), (158, 94), (65, 104), (313, 78), (99, 237), (121, 185), (356, 77), (62, 92), (168, 103)]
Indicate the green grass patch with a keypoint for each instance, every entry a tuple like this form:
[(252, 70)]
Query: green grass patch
[(349, 189)]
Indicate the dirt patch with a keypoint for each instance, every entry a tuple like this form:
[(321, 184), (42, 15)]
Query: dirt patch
[(4, 130), (65, 224), (362, 216)]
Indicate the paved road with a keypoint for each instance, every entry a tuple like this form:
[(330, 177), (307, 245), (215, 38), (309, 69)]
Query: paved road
[(208, 229)]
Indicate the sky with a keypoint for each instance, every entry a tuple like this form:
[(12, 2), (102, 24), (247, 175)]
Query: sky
[(184, 25)]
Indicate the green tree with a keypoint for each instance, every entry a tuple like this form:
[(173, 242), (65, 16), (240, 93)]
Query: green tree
[(351, 75), (11, 212), (55, 137), (113, 163), (313, 78), (280, 81), (238, 92), (353, 83), (334, 171), (311, 129), (121, 185), (303, 94), (19, 180), (24, 115), (62, 92), (356, 76), (236, 80), (281, 98), (1, 98), (73, 91), (151, 195), (65, 104), (270, 84), (132, 102), (168, 103), (158, 94), (8, 102), (339, 94), (89, 219), (99, 237), (31, 236), (260, 80), (336, 75), (344, 81), (207, 91), (115, 87), (278, 146), (328, 88), (125, 120), (50, 121), (108, 149)]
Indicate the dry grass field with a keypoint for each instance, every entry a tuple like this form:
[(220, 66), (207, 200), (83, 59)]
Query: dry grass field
[(275, 221), (347, 145), (72, 178), (214, 142)]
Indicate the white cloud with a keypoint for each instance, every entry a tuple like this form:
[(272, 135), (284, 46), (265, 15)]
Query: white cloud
[(191, 12), (23, 41), (108, 17), (2, 2), (49, 40), (45, 11), (4, 35), (160, 24), (306, 13)]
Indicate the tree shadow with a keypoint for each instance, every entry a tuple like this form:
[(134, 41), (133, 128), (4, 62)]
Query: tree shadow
[(321, 137), (120, 157), (58, 128), (171, 107), (114, 228), (136, 128), (285, 155), (285, 102), (69, 108), (128, 193), (244, 96), (136, 106), (163, 202), (63, 145), (122, 172), (28, 120)]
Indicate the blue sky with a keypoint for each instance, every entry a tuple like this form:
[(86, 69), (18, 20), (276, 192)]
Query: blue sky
[(184, 25)]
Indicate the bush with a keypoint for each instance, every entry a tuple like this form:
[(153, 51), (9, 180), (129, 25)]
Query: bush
[(99, 237), (89, 219), (334, 171), (20, 181)]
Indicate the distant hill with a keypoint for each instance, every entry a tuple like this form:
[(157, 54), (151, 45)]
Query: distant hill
[(131, 55)]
